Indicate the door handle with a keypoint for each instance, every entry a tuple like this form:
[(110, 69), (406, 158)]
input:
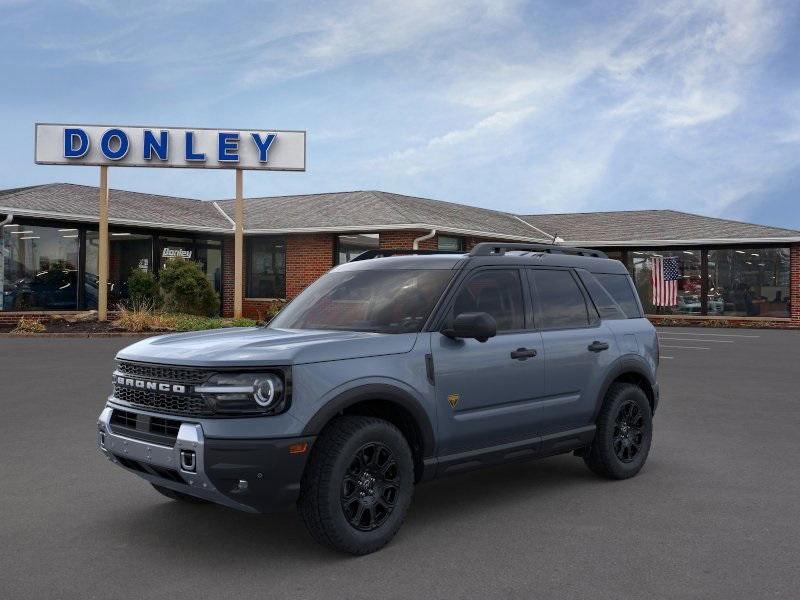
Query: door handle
[(596, 346), (523, 353)]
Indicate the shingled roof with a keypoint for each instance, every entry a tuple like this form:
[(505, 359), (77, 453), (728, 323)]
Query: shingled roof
[(370, 211), (374, 210), (642, 227), (79, 203)]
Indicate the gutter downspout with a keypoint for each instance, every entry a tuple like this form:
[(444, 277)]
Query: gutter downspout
[(7, 220), (427, 236)]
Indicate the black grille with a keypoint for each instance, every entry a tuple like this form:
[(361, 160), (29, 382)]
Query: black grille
[(186, 375), (144, 427), (176, 404)]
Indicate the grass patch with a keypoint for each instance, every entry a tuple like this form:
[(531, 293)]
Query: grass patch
[(139, 319)]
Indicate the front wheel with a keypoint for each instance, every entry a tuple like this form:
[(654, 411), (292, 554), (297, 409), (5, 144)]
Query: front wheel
[(358, 485), (624, 433)]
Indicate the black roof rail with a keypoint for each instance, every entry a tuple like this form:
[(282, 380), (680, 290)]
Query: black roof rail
[(500, 248), (384, 252)]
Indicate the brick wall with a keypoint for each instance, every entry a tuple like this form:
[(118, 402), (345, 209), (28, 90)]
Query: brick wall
[(794, 284), (308, 256), (405, 239), (227, 277)]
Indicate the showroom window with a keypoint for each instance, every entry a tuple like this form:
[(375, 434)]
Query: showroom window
[(350, 246), (39, 267), (450, 243), (677, 275), (128, 252), (266, 267), (748, 282)]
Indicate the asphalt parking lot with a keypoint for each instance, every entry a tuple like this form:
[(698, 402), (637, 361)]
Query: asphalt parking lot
[(714, 514)]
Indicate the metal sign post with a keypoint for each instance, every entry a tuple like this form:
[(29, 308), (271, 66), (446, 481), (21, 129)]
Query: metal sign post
[(176, 147), (103, 253), (238, 243)]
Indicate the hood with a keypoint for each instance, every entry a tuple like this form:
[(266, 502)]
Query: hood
[(261, 346)]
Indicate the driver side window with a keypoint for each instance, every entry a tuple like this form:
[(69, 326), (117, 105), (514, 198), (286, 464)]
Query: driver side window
[(497, 292)]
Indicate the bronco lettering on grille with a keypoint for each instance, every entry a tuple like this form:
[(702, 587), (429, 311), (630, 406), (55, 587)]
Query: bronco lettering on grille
[(155, 386)]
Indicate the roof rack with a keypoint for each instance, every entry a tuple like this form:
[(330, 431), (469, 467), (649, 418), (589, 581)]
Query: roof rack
[(384, 252), (495, 248)]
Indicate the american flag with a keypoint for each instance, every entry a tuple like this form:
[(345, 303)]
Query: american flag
[(665, 280)]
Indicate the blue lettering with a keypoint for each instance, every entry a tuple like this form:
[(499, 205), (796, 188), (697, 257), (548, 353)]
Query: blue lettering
[(263, 145), (159, 146), (70, 137), (190, 153), (122, 144), (228, 147)]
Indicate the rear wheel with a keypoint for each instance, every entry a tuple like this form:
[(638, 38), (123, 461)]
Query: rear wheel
[(174, 495), (624, 433), (358, 485)]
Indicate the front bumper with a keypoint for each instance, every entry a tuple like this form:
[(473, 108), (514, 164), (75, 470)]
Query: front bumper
[(252, 475)]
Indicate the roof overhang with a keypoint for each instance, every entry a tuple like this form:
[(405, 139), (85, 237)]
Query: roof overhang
[(682, 242)]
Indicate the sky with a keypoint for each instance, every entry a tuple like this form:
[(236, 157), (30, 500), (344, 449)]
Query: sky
[(528, 107)]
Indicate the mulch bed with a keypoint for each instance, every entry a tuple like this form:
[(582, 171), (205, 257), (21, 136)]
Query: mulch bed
[(62, 326)]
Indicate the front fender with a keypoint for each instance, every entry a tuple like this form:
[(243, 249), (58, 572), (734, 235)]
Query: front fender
[(392, 391)]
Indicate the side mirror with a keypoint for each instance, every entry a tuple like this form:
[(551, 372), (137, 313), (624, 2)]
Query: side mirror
[(472, 325)]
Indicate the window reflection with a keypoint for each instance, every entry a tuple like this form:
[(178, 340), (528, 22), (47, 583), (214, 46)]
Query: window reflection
[(351, 245), (686, 299), (749, 282), (39, 268)]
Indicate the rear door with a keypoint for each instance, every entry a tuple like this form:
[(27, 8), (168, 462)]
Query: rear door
[(578, 348)]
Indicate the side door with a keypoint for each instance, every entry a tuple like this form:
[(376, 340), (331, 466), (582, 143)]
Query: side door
[(578, 348), (486, 392)]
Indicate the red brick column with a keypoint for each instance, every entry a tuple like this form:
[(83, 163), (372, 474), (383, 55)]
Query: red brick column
[(308, 256), (794, 283), (226, 308)]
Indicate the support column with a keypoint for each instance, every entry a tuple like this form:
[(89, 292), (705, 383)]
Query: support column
[(102, 255), (238, 252)]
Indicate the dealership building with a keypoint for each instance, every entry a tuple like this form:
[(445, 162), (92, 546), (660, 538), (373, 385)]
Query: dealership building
[(726, 270)]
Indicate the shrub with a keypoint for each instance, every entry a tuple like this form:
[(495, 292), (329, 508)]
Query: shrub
[(143, 289), (186, 290), (141, 317), (26, 325)]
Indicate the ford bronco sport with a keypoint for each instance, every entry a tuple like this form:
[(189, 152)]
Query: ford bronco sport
[(392, 369)]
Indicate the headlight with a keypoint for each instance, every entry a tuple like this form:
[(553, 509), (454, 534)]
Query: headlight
[(244, 393)]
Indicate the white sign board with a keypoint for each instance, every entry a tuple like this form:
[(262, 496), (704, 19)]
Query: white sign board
[(189, 148)]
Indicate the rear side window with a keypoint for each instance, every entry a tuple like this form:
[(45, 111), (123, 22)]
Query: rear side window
[(606, 306), (621, 290), (561, 302)]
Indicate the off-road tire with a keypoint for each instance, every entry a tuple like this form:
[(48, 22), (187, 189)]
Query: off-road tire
[(334, 465), (603, 455), (175, 495)]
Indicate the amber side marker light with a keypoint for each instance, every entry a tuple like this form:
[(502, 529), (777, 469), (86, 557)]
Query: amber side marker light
[(298, 448)]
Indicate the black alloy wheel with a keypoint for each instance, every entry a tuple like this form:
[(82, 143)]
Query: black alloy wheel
[(624, 433), (370, 487), (628, 431)]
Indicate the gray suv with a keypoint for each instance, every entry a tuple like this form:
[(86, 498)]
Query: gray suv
[(395, 368)]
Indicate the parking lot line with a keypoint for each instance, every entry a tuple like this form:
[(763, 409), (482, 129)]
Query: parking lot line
[(736, 335), (688, 347), (672, 339)]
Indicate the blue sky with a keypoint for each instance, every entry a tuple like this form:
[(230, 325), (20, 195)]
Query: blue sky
[(557, 106)]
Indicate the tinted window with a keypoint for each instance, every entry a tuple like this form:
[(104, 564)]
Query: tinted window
[(606, 306), (266, 267), (390, 301), (497, 292), (560, 300), (619, 286)]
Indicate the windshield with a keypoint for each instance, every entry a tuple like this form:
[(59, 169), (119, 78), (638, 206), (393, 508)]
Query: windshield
[(390, 301)]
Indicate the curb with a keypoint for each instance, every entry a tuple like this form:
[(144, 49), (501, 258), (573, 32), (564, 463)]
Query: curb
[(82, 335)]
